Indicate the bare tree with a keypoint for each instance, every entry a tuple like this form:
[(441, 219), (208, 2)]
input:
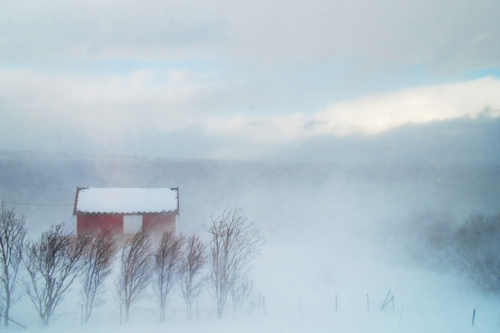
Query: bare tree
[(168, 257), (97, 266), (12, 235), (52, 264), (234, 243), (135, 270), (241, 292), (190, 268)]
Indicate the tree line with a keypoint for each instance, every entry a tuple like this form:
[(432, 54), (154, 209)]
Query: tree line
[(50, 265)]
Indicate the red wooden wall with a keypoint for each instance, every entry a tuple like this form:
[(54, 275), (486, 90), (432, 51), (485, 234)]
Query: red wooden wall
[(93, 223), (157, 224)]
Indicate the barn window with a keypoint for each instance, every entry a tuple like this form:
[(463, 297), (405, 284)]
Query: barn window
[(132, 224)]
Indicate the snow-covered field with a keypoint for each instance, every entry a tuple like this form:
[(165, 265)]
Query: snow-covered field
[(424, 302), (297, 287), (329, 233)]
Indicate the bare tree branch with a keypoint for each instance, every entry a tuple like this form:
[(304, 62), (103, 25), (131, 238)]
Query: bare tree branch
[(193, 261), (12, 235), (233, 245), (52, 264), (167, 257), (97, 266), (241, 291), (135, 270)]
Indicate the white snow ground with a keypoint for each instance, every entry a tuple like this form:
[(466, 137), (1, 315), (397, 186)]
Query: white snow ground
[(300, 297)]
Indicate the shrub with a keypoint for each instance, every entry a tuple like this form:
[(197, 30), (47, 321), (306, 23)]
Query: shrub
[(478, 248)]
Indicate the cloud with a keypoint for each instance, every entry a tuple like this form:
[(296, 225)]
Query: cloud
[(375, 114), (371, 115), (453, 142), (100, 111), (445, 37), (139, 111), (58, 30)]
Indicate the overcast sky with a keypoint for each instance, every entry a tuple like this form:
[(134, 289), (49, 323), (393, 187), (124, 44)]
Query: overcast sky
[(239, 79)]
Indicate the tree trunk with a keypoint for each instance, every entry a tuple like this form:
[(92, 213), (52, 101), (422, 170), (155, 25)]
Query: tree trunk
[(127, 308), (7, 308)]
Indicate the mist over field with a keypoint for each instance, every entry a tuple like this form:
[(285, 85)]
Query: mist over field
[(361, 137), (343, 228)]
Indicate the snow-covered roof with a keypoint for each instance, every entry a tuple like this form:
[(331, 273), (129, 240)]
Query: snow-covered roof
[(126, 200)]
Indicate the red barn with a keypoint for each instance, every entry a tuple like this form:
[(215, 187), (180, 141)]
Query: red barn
[(125, 210)]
